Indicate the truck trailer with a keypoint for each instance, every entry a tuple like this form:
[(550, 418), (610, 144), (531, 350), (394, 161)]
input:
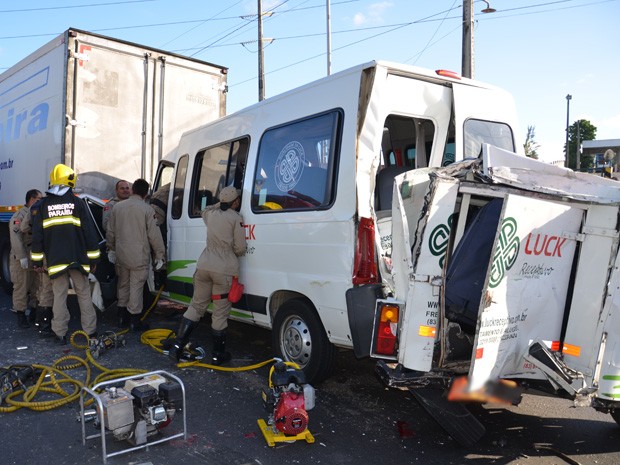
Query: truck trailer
[(108, 108)]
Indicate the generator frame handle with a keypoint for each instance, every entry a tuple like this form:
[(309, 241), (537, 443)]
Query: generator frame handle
[(102, 433)]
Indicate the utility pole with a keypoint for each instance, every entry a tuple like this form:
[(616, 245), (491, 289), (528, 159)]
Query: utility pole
[(261, 71), (568, 98), (578, 149), (467, 59), (329, 40)]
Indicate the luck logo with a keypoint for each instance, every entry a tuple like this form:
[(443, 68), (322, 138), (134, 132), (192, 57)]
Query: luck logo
[(506, 251)]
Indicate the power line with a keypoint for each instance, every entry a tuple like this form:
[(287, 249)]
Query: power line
[(22, 10), (427, 19)]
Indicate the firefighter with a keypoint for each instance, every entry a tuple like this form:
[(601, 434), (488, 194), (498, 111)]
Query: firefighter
[(42, 315), (132, 233), (215, 269), (64, 234), (22, 275), (123, 191)]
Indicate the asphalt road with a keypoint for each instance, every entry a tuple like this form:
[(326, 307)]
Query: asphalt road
[(356, 419)]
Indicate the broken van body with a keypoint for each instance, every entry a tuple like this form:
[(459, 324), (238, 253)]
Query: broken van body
[(316, 167), (504, 268)]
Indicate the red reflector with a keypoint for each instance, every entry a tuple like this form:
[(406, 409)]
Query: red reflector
[(365, 265), (386, 340), (479, 353), (555, 346)]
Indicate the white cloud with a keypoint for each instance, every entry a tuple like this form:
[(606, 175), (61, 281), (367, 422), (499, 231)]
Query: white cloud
[(359, 19), (373, 14)]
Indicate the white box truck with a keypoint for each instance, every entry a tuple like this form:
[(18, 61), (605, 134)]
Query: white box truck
[(316, 167), (110, 109)]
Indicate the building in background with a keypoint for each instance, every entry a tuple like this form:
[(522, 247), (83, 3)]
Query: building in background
[(604, 153)]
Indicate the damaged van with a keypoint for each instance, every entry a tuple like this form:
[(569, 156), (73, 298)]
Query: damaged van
[(505, 276), (316, 168)]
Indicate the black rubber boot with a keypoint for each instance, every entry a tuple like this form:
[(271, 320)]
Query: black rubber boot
[(60, 340), (220, 356), (22, 321), (136, 325), (32, 316), (43, 323), (185, 329), (122, 317)]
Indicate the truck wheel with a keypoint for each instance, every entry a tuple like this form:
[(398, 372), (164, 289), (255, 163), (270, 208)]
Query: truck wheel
[(298, 336), (5, 268)]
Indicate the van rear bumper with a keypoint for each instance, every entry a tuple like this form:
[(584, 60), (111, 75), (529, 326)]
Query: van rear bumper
[(361, 303)]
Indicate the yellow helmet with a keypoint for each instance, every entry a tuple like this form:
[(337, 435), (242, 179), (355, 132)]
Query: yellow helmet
[(62, 175)]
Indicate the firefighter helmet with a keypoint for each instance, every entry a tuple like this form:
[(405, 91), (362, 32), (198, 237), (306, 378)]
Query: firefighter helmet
[(62, 175)]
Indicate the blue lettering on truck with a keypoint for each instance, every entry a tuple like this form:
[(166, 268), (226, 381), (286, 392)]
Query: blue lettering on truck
[(25, 122), (17, 123)]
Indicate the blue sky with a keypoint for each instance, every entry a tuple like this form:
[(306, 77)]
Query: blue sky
[(540, 51)]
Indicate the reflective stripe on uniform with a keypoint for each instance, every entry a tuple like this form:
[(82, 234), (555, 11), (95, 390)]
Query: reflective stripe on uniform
[(93, 254), (62, 220), (52, 270), (56, 269), (37, 257)]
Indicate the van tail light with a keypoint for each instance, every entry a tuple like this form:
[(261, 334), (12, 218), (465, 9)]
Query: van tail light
[(387, 329), (365, 265)]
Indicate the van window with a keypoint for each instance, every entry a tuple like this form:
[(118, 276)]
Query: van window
[(407, 142), (296, 165), (477, 132), (214, 169), (179, 185)]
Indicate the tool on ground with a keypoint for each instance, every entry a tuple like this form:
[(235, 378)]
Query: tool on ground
[(288, 399), (106, 341), (136, 409), (13, 378)]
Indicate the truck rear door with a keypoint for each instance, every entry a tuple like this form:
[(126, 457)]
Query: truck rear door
[(525, 293)]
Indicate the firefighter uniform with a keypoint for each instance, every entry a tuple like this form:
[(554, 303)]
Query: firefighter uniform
[(131, 234), (123, 191), (107, 212), (42, 316), (64, 234), (22, 275), (216, 266)]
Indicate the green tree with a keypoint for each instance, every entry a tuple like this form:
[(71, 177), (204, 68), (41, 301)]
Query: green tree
[(587, 131), (531, 146)]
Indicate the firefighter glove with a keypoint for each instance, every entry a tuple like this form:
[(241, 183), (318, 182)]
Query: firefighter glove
[(24, 263), (112, 257), (159, 264)]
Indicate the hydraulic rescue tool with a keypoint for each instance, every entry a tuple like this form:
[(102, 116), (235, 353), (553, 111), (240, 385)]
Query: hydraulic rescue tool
[(135, 409), (106, 341), (13, 378), (288, 399)]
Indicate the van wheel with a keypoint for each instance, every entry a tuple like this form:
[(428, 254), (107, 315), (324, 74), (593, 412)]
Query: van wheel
[(298, 336)]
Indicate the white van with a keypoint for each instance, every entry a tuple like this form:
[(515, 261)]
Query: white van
[(316, 166)]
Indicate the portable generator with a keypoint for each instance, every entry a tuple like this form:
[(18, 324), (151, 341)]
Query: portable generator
[(288, 400), (135, 408)]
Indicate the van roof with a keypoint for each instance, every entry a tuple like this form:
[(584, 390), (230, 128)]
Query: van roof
[(390, 67)]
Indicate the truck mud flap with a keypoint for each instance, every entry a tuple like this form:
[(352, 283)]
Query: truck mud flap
[(453, 417), (361, 303)]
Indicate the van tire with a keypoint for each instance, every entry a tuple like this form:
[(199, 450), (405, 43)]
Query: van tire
[(298, 336)]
